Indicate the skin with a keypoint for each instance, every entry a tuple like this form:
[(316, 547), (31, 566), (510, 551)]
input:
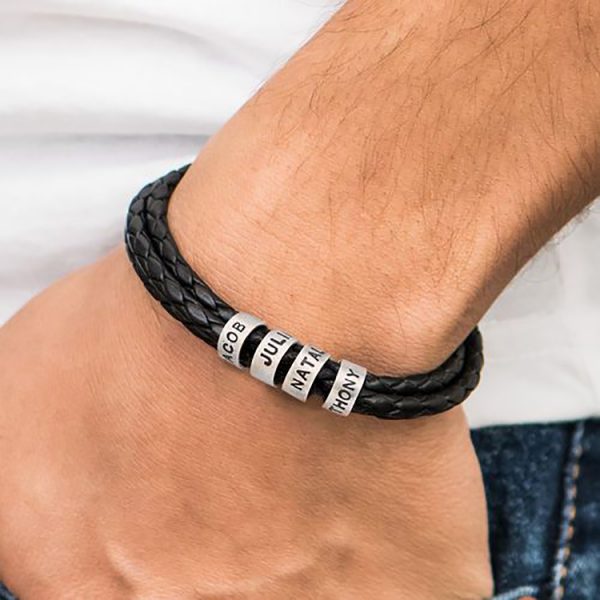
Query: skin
[(373, 198)]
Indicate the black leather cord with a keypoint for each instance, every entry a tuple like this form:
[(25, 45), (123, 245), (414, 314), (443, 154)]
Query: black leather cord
[(172, 282)]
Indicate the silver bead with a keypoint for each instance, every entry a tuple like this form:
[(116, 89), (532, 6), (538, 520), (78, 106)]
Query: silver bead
[(268, 355), (345, 389), (303, 372), (233, 335)]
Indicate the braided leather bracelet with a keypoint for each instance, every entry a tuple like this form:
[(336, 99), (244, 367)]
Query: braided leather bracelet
[(274, 356)]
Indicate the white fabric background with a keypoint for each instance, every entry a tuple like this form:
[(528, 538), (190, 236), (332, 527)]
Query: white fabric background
[(83, 125)]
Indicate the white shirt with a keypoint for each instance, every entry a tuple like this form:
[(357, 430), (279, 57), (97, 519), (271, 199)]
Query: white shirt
[(83, 125)]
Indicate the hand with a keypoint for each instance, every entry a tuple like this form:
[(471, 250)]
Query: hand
[(137, 464), (404, 165)]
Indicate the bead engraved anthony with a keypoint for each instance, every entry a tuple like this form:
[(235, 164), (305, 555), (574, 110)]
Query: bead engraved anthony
[(345, 389), (268, 355), (233, 335), (304, 371)]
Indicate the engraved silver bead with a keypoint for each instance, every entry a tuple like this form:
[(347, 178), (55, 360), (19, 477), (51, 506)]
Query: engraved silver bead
[(345, 389), (233, 335), (268, 355), (304, 371)]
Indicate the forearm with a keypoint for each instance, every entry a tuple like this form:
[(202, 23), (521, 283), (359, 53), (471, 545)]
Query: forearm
[(373, 199), (386, 184)]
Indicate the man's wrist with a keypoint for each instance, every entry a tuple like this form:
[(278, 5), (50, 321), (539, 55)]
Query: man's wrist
[(325, 474), (337, 294)]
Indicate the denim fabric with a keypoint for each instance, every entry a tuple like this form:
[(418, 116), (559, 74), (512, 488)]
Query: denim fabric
[(582, 580), (543, 489)]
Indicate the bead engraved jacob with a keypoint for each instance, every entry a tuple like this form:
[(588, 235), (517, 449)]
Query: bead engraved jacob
[(268, 355), (345, 389), (234, 334)]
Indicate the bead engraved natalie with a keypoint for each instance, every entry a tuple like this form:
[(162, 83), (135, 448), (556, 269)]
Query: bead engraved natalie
[(268, 355), (234, 334), (345, 389), (303, 372)]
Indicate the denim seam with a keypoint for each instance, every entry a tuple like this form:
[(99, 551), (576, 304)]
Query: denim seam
[(560, 569), (520, 592)]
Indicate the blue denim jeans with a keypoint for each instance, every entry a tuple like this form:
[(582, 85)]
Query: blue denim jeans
[(543, 490)]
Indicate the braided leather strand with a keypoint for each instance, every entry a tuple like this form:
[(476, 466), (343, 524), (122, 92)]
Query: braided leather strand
[(170, 280)]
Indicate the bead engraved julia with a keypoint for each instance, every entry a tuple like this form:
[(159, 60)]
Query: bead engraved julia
[(269, 353)]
